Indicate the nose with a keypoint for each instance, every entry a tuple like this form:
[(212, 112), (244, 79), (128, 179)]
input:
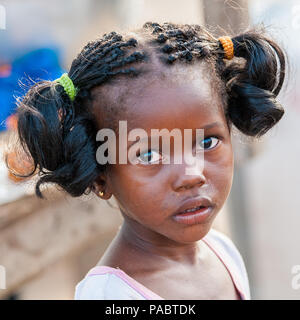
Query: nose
[(182, 180)]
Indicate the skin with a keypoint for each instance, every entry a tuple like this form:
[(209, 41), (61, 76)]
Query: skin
[(150, 246)]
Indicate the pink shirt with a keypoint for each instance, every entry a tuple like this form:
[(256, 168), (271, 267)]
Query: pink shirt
[(107, 283)]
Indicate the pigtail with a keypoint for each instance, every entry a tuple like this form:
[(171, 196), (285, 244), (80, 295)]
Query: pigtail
[(58, 132), (58, 137), (253, 84)]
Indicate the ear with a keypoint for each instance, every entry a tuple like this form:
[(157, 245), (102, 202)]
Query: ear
[(101, 184)]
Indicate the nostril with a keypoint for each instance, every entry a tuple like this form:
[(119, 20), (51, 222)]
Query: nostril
[(190, 186)]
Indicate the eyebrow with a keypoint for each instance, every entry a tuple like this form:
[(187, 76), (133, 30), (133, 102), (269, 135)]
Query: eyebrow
[(211, 125), (208, 126)]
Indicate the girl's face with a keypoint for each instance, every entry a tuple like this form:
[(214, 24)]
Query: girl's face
[(149, 194)]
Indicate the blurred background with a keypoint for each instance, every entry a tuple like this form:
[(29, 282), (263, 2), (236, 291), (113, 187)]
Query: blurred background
[(47, 246)]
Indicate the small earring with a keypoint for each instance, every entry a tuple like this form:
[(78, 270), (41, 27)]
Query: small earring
[(101, 193)]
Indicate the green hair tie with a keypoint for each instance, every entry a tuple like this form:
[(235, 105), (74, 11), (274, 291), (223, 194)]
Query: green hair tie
[(68, 85)]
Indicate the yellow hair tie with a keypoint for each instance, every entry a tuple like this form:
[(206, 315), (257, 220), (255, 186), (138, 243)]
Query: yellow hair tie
[(68, 85), (227, 45)]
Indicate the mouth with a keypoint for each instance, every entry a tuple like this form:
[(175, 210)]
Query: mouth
[(194, 204), (194, 211)]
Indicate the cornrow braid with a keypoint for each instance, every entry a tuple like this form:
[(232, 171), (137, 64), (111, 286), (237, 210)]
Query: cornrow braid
[(182, 44), (59, 134)]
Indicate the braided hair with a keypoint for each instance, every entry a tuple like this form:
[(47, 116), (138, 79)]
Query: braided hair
[(59, 134)]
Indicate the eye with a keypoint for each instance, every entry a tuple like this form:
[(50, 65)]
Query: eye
[(208, 142), (149, 157)]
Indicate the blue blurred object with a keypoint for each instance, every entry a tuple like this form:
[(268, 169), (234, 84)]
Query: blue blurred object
[(40, 64)]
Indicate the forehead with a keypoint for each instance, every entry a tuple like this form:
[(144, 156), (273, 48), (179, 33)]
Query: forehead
[(176, 97), (173, 104)]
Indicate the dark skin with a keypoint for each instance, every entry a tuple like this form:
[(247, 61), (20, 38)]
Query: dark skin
[(167, 257)]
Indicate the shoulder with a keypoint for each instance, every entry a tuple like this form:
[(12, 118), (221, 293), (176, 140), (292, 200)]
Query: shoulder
[(105, 286), (228, 250)]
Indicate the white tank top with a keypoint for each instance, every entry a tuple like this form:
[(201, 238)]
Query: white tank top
[(107, 283)]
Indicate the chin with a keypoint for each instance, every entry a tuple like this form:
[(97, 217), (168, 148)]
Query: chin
[(194, 233)]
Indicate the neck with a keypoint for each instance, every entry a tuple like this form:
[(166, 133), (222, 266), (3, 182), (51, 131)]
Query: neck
[(154, 245)]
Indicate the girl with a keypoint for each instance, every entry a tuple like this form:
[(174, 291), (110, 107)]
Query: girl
[(161, 76)]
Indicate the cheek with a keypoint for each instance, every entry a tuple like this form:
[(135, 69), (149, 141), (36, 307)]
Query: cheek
[(139, 196), (220, 174)]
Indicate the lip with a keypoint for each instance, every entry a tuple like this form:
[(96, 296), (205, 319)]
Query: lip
[(194, 217)]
